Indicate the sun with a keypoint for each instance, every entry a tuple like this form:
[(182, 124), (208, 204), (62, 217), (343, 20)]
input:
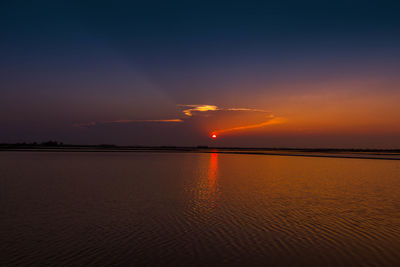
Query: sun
[(213, 136)]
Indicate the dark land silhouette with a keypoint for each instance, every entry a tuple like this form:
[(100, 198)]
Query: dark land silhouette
[(56, 146)]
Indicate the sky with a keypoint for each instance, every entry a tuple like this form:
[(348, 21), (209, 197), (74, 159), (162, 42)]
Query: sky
[(255, 73)]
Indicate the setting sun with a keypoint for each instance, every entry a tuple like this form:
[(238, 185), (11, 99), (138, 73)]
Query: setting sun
[(213, 136)]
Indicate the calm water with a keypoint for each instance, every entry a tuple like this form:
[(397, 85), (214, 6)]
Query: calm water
[(67, 208)]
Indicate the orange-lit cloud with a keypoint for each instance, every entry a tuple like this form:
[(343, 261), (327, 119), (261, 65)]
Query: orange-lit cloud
[(223, 120), (191, 108), (210, 118), (271, 121)]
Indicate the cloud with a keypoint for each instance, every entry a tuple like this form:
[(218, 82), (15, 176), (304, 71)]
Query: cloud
[(201, 108), (130, 121), (220, 120), (190, 109), (210, 118), (92, 123), (271, 121)]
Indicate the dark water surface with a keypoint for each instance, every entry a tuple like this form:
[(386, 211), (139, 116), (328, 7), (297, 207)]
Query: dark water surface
[(78, 209)]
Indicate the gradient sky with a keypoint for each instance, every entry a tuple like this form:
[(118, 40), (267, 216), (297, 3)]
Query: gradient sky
[(265, 73)]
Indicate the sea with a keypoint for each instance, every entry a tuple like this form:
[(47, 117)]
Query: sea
[(66, 208)]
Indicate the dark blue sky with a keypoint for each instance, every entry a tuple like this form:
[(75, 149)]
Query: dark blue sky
[(66, 62)]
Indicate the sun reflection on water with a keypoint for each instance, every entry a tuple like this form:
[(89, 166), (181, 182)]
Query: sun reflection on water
[(213, 172), (211, 187), (207, 189)]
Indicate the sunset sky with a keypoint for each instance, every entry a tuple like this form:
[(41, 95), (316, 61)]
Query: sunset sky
[(258, 74)]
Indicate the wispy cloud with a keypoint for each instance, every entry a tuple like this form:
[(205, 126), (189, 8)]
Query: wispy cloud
[(270, 121), (189, 109), (210, 116), (90, 124), (218, 115), (245, 109)]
